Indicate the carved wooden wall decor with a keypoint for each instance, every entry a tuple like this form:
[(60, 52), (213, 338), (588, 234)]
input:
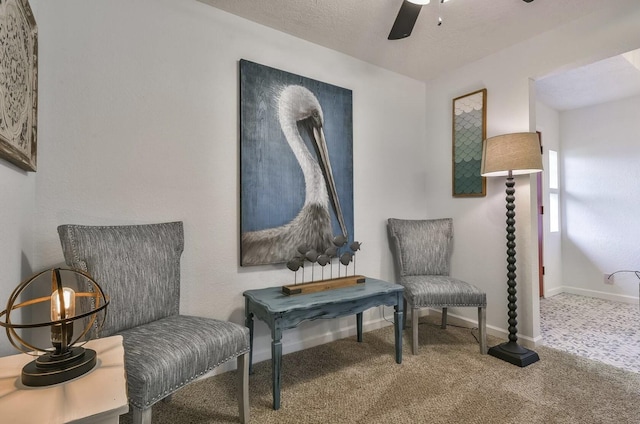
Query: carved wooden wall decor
[(18, 83)]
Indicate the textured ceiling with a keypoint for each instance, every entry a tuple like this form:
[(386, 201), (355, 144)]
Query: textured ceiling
[(610, 79), (471, 29)]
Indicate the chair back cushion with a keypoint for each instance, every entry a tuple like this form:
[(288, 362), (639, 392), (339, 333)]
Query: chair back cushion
[(137, 266), (422, 247)]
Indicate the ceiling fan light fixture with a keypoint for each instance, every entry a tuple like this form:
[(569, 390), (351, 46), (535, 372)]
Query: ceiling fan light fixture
[(406, 19), (420, 2)]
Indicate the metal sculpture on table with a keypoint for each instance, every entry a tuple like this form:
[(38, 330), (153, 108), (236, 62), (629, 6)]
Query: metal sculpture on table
[(331, 253), (355, 246), (323, 260), (345, 256), (294, 265)]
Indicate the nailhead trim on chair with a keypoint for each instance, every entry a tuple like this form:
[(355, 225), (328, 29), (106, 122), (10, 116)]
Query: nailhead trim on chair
[(176, 388)]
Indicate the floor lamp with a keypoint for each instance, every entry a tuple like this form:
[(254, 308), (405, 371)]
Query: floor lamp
[(509, 155)]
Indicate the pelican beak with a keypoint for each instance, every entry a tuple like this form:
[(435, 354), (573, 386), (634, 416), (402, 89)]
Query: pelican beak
[(325, 165)]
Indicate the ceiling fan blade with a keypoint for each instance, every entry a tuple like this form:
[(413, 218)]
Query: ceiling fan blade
[(405, 20)]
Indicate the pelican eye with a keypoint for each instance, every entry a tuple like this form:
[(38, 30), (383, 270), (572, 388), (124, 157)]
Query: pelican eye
[(315, 115)]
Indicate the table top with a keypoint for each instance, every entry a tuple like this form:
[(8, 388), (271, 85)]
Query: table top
[(275, 301), (96, 395)]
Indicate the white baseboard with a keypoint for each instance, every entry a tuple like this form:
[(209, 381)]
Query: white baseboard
[(554, 291), (500, 333), (593, 293)]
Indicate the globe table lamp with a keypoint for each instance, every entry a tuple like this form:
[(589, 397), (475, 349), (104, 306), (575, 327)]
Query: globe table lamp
[(67, 359), (509, 155)]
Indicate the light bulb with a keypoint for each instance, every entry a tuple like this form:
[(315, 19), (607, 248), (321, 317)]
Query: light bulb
[(61, 333), (69, 303)]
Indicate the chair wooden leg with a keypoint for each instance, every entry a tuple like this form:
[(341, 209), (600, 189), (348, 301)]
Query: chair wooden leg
[(243, 387), (443, 325), (414, 328), (141, 416), (482, 329)]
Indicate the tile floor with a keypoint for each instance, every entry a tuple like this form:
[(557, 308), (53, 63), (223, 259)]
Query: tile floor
[(599, 329)]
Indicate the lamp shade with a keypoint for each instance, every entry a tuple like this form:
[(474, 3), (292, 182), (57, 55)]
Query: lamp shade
[(517, 153)]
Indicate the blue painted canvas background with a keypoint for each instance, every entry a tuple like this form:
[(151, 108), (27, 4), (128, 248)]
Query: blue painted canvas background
[(272, 187)]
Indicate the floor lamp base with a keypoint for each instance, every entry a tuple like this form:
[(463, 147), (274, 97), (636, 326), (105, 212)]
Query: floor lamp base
[(514, 353)]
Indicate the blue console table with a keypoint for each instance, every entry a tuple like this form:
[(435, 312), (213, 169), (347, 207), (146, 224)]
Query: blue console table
[(281, 312)]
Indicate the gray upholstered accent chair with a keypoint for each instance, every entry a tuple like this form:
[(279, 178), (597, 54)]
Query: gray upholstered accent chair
[(422, 252), (138, 267)]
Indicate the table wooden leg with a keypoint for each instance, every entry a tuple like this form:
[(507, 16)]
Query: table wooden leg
[(398, 318), (359, 326), (248, 322), (276, 361)]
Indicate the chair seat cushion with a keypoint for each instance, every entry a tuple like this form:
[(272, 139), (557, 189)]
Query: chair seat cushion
[(164, 355), (441, 291)]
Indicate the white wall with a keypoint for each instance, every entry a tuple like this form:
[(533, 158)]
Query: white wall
[(480, 228), (601, 147), (139, 123), (479, 253), (548, 123), (17, 188)]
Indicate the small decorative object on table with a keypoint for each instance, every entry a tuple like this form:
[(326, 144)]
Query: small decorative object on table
[(66, 360), (345, 258), (322, 285)]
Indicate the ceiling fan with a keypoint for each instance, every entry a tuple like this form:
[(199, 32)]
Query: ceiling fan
[(407, 16)]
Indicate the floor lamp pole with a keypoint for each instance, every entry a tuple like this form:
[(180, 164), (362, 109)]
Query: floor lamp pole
[(511, 351)]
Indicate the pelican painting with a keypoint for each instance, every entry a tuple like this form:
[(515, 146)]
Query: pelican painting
[(295, 182)]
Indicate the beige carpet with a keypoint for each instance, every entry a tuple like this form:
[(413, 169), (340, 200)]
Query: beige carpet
[(448, 382)]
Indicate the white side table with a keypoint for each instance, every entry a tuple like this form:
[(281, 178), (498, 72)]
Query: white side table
[(100, 396)]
